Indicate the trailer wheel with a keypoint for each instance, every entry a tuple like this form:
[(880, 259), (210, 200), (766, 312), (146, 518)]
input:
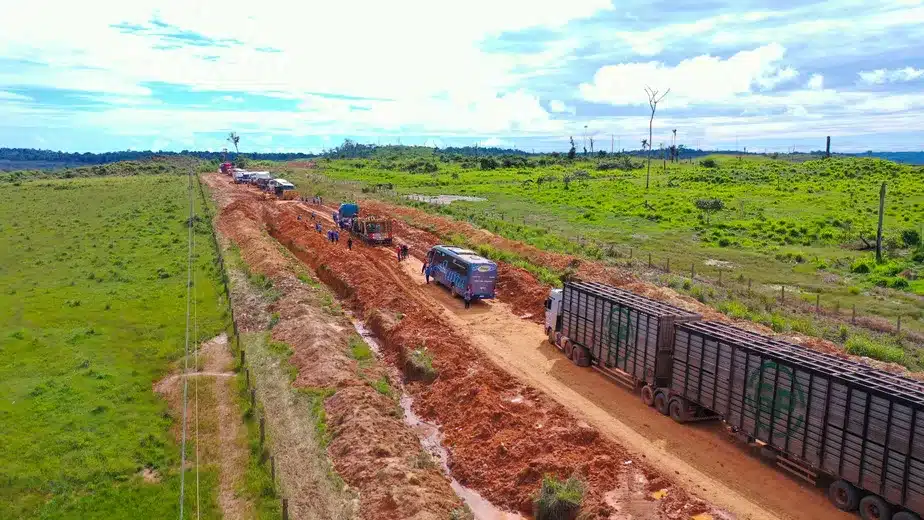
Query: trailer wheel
[(843, 495), (580, 356), (905, 515), (661, 403), (648, 395), (678, 410), (874, 508), (567, 347)]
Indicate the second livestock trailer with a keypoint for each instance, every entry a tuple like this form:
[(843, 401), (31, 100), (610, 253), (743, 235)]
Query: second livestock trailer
[(622, 334), (822, 415)]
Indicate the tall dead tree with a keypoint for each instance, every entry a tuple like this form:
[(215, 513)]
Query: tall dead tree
[(882, 191), (233, 138), (674, 147), (828, 148), (653, 100), (591, 146)]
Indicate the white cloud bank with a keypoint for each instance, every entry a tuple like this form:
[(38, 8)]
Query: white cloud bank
[(882, 76), (699, 80)]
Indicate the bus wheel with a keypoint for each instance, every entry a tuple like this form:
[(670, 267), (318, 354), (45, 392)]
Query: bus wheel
[(567, 347), (678, 410), (874, 508), (660, 402), (843, 495), (647, 395)]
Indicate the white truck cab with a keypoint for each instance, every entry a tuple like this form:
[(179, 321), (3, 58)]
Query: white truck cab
[(553, 315)]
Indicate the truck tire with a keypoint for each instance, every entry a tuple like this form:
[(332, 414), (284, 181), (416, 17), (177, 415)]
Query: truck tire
[(567, 347), (843, 495), (661, 403), (647, 395), (580, 356), (874, 508), (905, 515), (678, 410), (550, 333)]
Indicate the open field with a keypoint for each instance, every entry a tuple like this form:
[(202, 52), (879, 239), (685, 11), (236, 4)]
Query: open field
[(798, 226), (92, 313)]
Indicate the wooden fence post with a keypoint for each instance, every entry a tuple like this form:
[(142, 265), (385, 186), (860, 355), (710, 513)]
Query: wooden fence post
[(247, 376), (720, 277), (817, 303), (692, 270), (899, 323), (782, 294), (285, 509), (630, 253), (243, 358), (853, 316), (273, 468), (749, 286), (649, 260), (262, 431), (668, 265), (253, 398)]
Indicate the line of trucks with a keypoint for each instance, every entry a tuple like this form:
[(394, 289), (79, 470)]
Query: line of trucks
[(825, 419), (264, 180)]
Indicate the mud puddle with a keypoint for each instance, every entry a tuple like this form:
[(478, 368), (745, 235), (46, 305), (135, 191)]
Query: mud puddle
[(431, 439)]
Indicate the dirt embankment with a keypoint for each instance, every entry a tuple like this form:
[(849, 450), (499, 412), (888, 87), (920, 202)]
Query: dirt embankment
[(370, 446), (525, 293), (502, 434)]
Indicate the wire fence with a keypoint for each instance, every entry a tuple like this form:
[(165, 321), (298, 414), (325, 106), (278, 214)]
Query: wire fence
[(267, 460)]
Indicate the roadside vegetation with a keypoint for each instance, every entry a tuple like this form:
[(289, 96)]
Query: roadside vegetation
[(92, 312)]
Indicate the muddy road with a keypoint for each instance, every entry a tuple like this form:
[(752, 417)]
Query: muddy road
[(504, 432)]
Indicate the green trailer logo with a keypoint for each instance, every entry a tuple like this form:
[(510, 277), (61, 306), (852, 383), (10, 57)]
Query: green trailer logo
[(789, 404), (620, 326)]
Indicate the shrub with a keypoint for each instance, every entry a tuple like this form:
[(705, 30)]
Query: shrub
[(734, 308), (860, 266), (864, 346), (709, 163), (911, 237), (382, 386), (359, 349), (558, 500)]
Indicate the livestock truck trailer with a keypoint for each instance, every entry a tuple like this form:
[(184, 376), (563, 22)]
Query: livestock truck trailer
[(820, 417)]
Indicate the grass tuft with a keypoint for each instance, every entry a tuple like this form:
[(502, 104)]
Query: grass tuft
[(557, 499)]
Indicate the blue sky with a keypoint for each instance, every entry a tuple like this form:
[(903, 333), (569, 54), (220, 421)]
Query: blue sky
[(104, 75)]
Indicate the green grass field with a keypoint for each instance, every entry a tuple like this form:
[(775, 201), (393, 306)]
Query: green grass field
[(92, 312), (775, 222)]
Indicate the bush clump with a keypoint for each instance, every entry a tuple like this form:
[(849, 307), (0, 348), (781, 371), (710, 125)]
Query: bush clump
[(865, 346), (558, 500)]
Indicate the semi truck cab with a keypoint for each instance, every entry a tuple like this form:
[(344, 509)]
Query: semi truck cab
[(553, 314)]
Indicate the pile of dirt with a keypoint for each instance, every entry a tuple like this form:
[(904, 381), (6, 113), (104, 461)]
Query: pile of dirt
[(498, 445), (371, 447)]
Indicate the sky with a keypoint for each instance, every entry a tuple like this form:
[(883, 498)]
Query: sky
[(104, 75)]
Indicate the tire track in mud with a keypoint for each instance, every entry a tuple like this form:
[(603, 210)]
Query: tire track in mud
[(502, 434)]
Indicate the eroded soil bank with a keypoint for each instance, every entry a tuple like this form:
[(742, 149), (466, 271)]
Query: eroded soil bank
[(361, 428)]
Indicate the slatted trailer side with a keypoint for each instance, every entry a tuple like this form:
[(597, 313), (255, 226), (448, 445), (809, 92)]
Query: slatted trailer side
[(829, 415), (620, 330)]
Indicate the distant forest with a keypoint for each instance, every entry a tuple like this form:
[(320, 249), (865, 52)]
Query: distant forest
[(28, 158)]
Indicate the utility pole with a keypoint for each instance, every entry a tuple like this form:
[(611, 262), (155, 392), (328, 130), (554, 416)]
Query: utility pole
[(882, 193), (611, 143)]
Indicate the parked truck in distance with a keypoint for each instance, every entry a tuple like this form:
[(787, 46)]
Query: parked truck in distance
[(370, 229), (822, 418), (460, 269), (226, 168)]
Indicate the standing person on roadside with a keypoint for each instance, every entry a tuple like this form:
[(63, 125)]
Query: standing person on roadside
[(404, 252), (426, 272), (468, 296), (398, 252), (350, 243)]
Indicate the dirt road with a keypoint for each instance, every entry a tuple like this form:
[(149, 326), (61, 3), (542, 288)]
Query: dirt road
[(698, 458)]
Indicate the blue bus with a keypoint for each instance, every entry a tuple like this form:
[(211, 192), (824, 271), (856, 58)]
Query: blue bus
[(459, 268)]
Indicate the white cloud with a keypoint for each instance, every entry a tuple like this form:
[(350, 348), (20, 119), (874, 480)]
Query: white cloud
[(559, 107), (495, 143), (12, 96), (703, 79), (816, 82), (229, 99), (881, 76)]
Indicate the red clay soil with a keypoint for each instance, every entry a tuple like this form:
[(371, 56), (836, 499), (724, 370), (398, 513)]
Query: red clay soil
[(501, 434), (526, 294), (371, 447)]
